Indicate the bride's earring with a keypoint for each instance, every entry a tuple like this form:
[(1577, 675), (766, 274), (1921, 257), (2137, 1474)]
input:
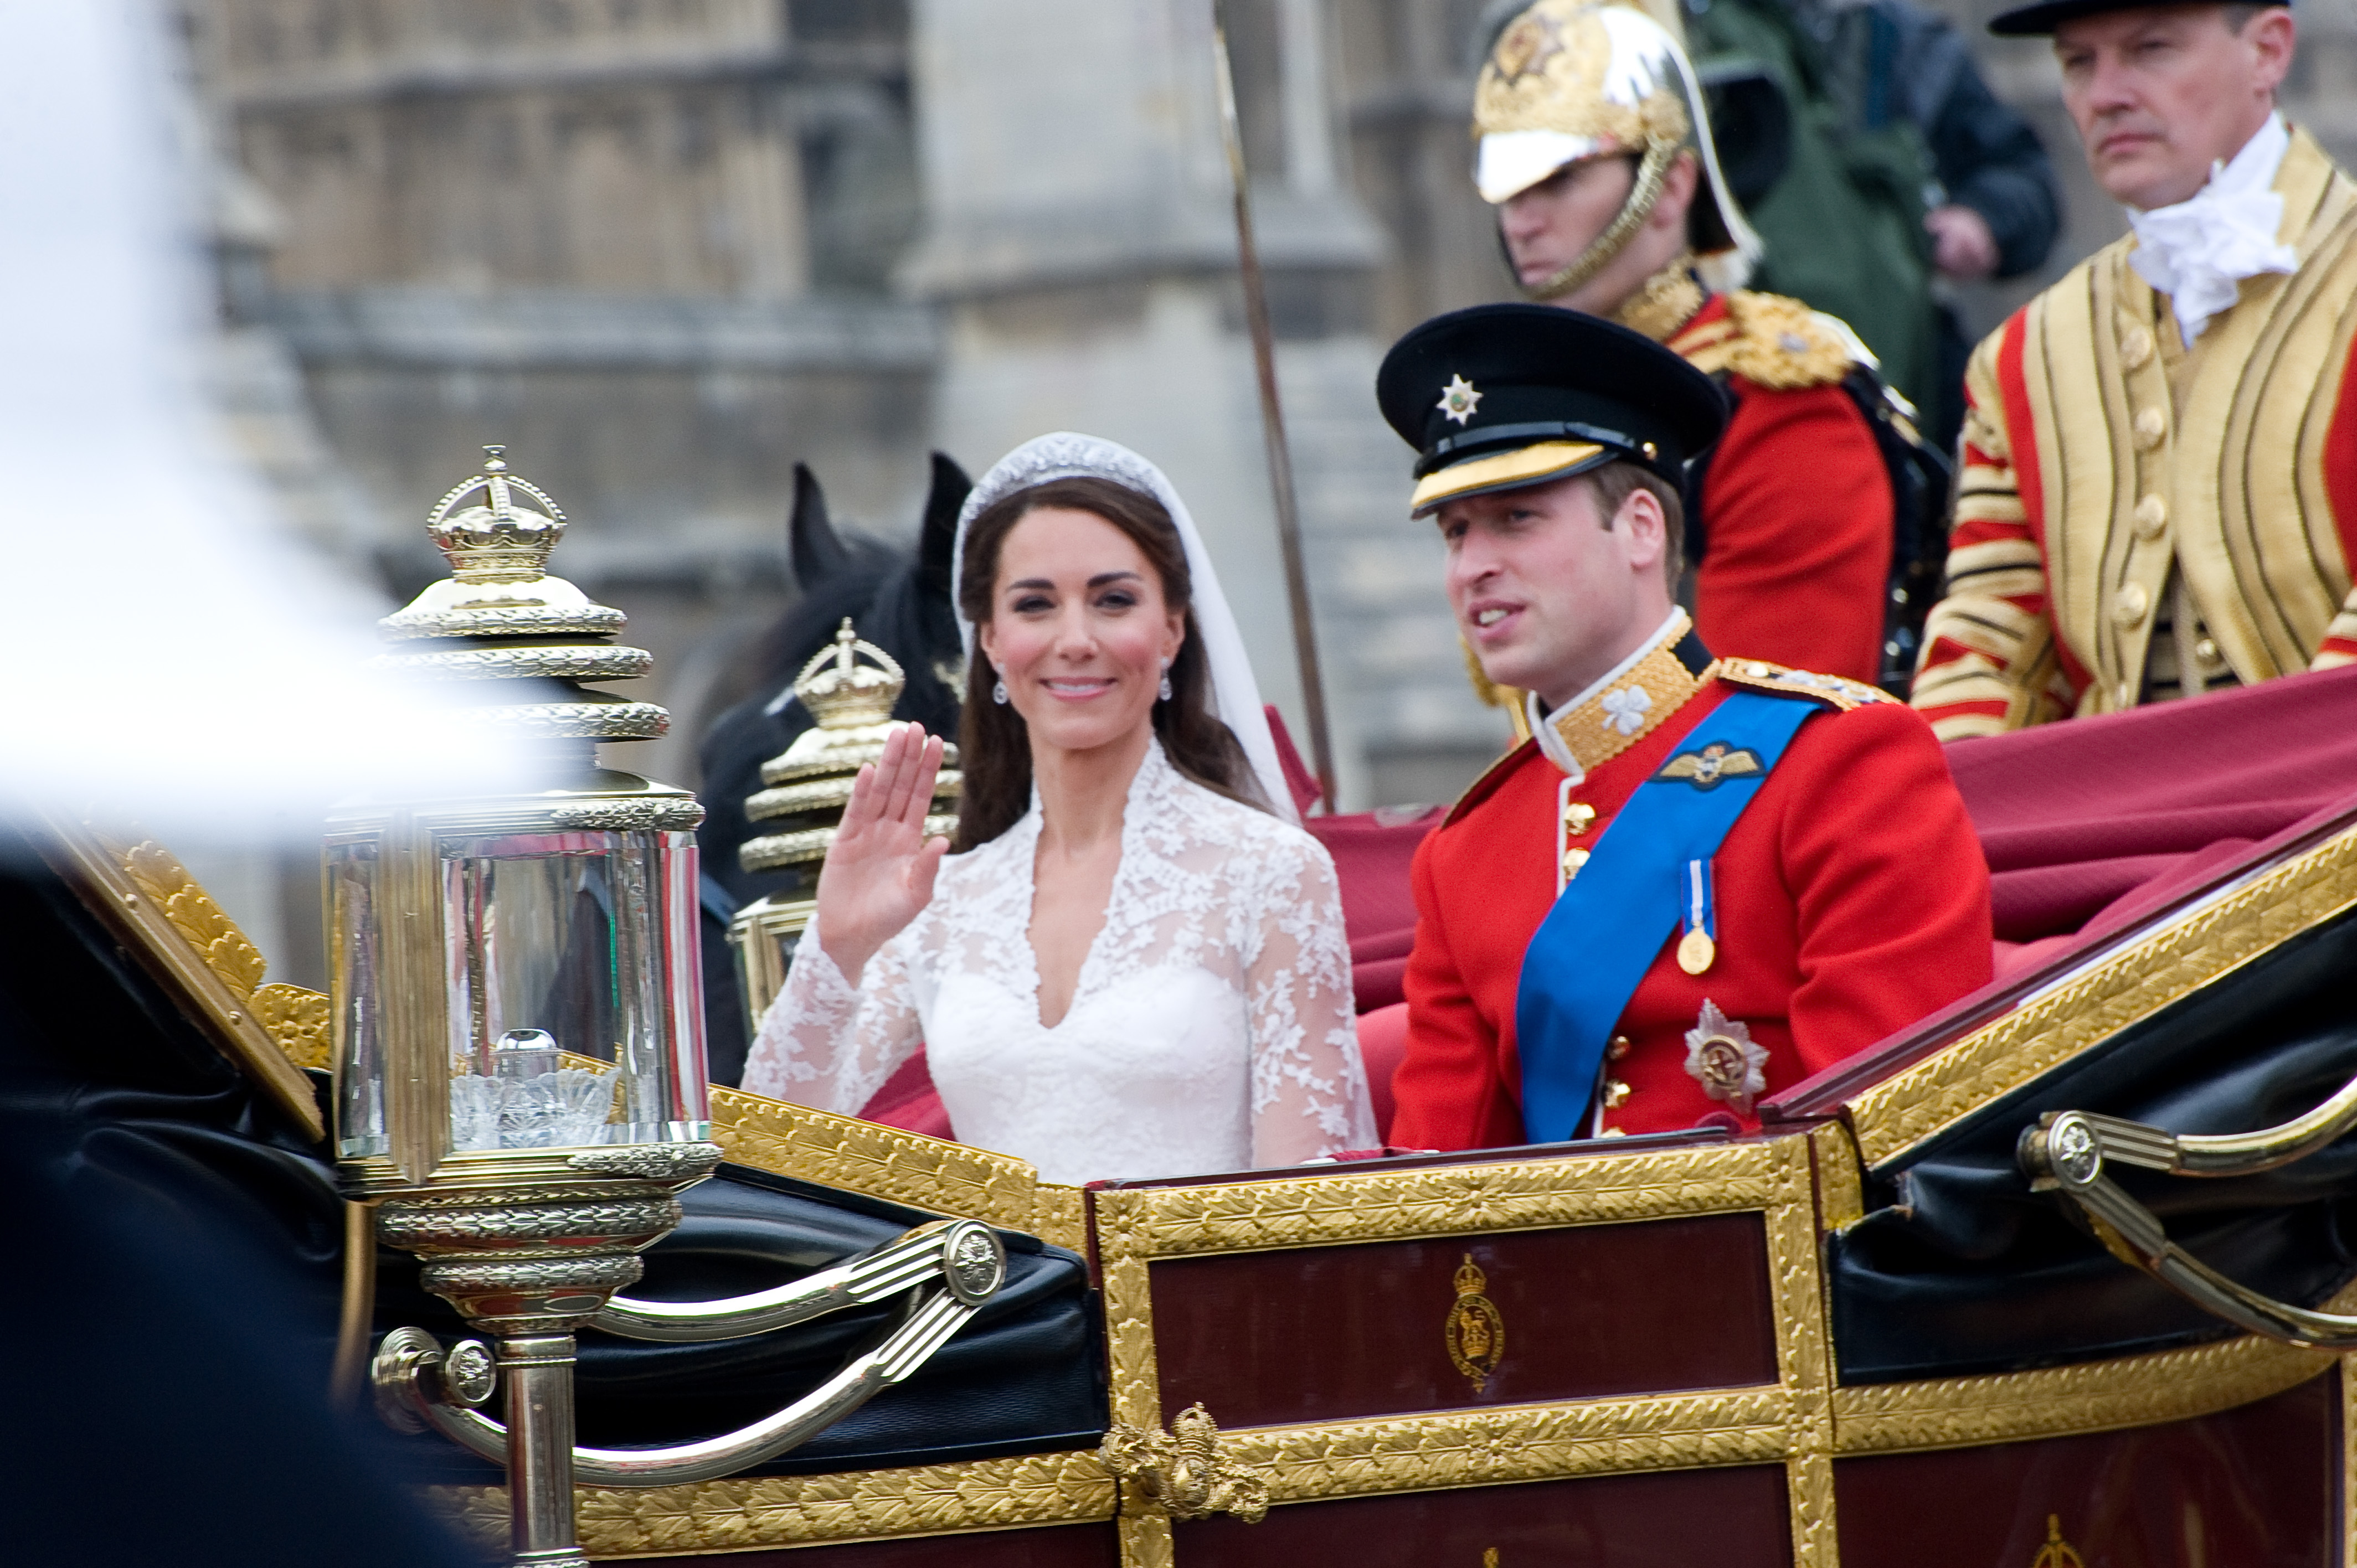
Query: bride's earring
[(1166, 683), (998, 693)]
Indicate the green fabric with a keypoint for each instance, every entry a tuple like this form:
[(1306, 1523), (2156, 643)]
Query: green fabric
[(1843, 223)]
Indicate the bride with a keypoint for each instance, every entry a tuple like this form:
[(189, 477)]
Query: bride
[(1131, 965)]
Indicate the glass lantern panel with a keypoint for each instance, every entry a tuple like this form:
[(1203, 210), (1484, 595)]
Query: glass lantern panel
[(557, 943), (361, 1127)]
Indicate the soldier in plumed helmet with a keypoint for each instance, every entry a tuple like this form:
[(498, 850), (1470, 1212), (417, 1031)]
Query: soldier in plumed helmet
[(1817, 500), (1702, 879)]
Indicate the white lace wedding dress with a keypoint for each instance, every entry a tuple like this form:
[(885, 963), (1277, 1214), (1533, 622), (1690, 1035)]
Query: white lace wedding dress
[(1212, 1029)]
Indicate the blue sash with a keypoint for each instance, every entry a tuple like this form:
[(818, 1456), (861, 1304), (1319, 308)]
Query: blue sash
[(1588, 956)]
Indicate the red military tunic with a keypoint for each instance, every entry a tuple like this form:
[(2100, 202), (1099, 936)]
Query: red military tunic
[(1796, 503), (1852, 900)]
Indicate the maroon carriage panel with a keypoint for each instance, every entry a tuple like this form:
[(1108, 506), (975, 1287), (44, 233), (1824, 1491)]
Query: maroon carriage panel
[(1334, 1332), (2257, 1486)]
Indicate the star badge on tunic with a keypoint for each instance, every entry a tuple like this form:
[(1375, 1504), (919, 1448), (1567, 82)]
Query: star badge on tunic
[(1723, 1057), (1458, 400), (1625, 709)]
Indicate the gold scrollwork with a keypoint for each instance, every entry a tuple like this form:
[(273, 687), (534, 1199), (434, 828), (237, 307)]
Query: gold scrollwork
[(1476, 1330), (1517, 1195), (2094, 1396), (158, 873), (1503, 1444), (2151, 973), (146, 896), (744, 1514), (298, 1019), (941, 1178)]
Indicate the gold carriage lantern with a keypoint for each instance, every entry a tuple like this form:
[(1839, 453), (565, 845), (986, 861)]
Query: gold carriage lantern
[(848, 688), (520, 1068)]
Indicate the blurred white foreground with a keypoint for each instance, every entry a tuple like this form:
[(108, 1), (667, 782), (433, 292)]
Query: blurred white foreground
[(176, 654)]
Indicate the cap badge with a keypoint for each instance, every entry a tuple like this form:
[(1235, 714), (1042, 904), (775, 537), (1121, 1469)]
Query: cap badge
[(1722, 1057), (1624, 710), (1458, 400)]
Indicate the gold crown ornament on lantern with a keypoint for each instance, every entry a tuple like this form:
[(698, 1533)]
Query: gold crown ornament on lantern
[(848, 688), (500, 618), (1571, 79)]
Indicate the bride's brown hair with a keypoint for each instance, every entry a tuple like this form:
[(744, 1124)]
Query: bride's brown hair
[(994, 743)]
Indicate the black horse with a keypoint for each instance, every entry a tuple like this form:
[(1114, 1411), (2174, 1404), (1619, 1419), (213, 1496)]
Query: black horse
[(898, 600)]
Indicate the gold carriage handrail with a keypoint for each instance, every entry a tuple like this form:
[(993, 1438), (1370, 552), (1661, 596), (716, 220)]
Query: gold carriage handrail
[(2065, 1154)]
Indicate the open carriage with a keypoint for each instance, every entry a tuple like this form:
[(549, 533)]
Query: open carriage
[(1860, 1338), (2057, 1277)]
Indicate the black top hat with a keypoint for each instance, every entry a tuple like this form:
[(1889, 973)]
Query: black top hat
[(2040, 20), (1502, 396)]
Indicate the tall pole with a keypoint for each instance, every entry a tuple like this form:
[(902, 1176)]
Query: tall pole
[(1272, 420)]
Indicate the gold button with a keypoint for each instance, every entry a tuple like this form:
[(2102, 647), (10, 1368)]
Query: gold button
[(1611, 1132), (2136, 348), (2128, 606), (1616, 1094), (1573, 859), (2151, 517), (2206, 650), (2151, 424), (1576, 817), (1618, 1048)]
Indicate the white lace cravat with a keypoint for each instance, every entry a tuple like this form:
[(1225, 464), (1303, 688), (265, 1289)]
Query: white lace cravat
[(2199, 251)]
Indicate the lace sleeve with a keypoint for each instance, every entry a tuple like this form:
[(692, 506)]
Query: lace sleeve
[(1308, 1088), (827, 1045)]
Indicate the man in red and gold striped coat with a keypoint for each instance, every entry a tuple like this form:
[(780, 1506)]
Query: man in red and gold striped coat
[(2158, 495)]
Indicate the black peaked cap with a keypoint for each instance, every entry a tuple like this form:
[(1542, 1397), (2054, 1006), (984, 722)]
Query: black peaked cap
[(2040, 20), (1499, 378)]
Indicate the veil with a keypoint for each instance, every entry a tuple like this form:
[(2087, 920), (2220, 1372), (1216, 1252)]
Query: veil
[(1235, 695)]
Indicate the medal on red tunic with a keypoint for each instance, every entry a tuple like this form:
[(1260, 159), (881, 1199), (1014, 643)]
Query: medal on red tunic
[(1592, 951)]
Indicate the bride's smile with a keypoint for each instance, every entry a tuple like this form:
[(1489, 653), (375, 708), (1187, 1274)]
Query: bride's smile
[(1080, 630)]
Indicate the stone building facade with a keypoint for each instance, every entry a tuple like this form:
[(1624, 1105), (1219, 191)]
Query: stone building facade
[(665, 249)]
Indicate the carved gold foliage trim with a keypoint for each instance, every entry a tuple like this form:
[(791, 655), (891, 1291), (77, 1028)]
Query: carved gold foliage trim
[(2149, 975), (297, 1020), (899, 1166), (158, 873), (1515, 1442), (1841, 1186), (148, 899), (1521, 1194), (1129, 1339), (1804, 1353), (749, 1512), (2095, 1396)]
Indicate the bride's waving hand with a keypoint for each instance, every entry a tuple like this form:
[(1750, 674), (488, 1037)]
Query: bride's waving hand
[(878, 873)]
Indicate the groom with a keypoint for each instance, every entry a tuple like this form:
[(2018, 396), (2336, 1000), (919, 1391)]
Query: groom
[(1704, 879)]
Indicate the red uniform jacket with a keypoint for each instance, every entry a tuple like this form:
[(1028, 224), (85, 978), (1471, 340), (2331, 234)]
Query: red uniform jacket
[(1852, 900), (1796, 502)]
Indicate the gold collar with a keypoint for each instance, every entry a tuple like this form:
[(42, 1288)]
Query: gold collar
[(1667, 301), (1624, 709)]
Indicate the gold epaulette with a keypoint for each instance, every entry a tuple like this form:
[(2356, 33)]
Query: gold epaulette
[(1773, 342), (1834, 691)]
